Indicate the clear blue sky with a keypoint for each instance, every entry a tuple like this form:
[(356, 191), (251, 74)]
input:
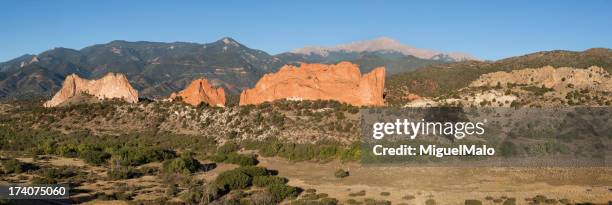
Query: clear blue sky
[(487, 29)]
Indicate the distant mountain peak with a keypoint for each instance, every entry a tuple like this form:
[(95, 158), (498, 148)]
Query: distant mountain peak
[(383, 44), (383, 41), (229, 42)]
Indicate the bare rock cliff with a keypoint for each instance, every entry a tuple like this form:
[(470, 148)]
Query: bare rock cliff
[(200, 91), (110, 86), (342, 82)]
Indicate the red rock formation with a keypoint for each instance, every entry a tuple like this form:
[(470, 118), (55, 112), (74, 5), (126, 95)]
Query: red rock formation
[(200, 91), (342, 82), (110, 86)]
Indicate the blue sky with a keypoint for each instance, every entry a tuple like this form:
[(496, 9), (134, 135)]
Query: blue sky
[(487, 29)]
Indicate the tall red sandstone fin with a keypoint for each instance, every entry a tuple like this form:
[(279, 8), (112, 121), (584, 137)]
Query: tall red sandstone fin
[(201, 91), (110, 86), (341, 82)]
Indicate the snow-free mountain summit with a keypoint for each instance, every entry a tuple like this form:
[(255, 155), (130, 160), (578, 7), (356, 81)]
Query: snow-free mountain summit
[(384, 44)]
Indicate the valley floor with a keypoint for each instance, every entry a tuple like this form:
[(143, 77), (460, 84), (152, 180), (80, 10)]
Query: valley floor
[(400, 185), (448, 185)]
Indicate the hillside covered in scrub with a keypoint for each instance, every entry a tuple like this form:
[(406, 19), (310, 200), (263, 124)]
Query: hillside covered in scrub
[(446, 79), (315, 124), (164, 152)]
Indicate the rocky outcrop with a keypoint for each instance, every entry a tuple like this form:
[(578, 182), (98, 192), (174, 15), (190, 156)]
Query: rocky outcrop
[(110, 86), (593, 78), (532, 87), (342, 82), (412, 97), (200, 91)]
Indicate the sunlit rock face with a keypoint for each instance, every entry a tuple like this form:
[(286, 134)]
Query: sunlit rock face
[(112, 85), (341, 82), (201, 91)]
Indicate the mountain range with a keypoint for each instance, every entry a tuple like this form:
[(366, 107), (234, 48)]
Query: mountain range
[(157, 69)]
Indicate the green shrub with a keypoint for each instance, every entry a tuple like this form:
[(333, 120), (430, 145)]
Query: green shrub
[(310, 197), (359, 193), (473, 202), (43, 180), (67, 150), (551, 201), (341, 173), (141, 155), (242, 160), (510, 201), (329, 201), (228, 148), (369, 201), (264, 181), (184, 164), (172, 190), (147, 170), (58, 173), (232, 179), (282, 191), (430, 202), (300, 152), (322, 195), (253, 171), (234, 158), (218, 158), (352, 201), (95, 157), (16, 166), (123, 173)]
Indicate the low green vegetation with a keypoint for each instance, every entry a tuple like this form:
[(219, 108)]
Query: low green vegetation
[(359, 193), (473, 202), (321, 151), (234, 158), (263, 181), (341, 173), (94, 156), (539, 91), (135, 156), (234, 179), (282, 191), (119, 173), (184, 164), (16, 166), (247, 176)]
